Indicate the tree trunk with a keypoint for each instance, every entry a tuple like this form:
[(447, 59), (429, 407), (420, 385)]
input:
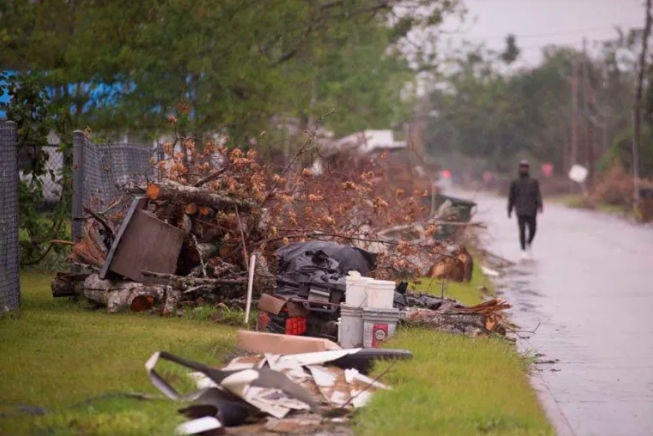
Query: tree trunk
[(68, 285), (638, 100), (122, 296)]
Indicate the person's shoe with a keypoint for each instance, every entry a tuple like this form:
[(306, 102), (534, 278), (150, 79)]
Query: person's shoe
[(524, 255), (529, 250)]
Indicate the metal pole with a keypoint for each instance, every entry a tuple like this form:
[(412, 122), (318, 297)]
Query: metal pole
[(250, 287), (78, 185)]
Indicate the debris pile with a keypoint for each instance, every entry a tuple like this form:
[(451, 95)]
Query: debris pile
[(284, 393), (188, 238)]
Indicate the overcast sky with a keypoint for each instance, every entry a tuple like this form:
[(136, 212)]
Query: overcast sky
[(540, 22)]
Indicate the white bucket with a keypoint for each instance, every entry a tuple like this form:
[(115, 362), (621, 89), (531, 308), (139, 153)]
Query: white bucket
[(355, 288), (350, 329), (378, 326), (380, 294)]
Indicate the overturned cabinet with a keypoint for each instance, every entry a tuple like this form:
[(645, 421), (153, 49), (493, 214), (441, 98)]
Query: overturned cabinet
[(143, 243)]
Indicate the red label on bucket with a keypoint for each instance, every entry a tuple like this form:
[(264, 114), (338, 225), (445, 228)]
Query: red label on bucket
[(379, 334)]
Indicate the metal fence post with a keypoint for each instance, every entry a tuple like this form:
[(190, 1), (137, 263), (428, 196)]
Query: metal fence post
[(9, 230), (78, 185)]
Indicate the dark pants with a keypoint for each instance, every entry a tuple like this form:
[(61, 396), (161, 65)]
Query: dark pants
[(530, 222)]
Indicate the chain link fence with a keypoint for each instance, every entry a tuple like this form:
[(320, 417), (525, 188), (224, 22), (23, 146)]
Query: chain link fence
[(102, 172), (9, 254), (52, 181)]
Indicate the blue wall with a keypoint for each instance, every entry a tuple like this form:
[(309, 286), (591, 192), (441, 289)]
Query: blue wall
[(100, 95)]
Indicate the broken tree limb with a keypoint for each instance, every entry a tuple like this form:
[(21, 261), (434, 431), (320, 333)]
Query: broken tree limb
[(214, 175), (121, 296), (101, 220), (468, 323), (186, 282), (188, 194)]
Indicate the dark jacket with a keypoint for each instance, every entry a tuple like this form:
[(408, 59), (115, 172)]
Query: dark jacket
[(525, 196)]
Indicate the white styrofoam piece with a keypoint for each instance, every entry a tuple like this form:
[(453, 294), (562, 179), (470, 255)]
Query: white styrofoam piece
[(325, 379), (352, 374), (199, 425), (242, 363)]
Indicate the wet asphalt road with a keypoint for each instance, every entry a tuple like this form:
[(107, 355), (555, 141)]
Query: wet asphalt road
[(590, 290)]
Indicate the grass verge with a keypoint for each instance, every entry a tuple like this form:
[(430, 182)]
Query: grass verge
[(455, 385), (58, 355)]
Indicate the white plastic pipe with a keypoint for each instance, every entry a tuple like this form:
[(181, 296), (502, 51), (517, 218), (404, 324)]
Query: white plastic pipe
[(250, 286)]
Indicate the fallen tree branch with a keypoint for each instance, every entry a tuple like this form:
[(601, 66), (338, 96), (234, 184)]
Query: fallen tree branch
[(101, 220), (211, 177), (242, 237), (61, 242), (192, 281), (189, 194)]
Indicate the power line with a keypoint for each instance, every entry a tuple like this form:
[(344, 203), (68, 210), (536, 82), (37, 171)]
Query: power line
[(549, 34)]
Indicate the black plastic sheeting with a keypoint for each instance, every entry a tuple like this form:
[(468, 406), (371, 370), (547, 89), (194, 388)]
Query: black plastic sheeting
[(319, 262)]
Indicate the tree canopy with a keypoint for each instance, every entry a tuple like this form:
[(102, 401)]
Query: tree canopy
[(482, 111), (124, 65)]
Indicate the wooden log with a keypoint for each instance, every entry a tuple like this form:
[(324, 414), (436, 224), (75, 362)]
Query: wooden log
[(122, 296), (466, 323), (68, 285), (169, 191)]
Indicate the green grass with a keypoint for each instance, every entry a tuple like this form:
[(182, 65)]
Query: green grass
[(59, 353), (455, 385), (468, 293)]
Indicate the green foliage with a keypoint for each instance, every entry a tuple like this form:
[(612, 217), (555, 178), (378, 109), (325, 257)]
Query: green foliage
[(219, 64), (35, 117)]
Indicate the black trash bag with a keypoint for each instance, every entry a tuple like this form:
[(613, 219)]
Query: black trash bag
[(347, 258), (319, 262), (399, 301)]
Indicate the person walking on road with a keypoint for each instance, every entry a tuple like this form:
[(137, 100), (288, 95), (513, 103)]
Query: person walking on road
[(526, 199)]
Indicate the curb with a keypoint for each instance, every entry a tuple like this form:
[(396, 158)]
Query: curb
[(551, 406)]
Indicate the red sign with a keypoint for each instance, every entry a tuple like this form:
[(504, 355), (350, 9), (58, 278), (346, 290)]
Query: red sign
[(547, 169)]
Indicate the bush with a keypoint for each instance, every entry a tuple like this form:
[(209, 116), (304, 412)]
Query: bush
[(614, 187)]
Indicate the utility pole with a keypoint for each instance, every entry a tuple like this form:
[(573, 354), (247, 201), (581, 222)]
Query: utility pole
[(589, 133), (638, 101), (574, 112)]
